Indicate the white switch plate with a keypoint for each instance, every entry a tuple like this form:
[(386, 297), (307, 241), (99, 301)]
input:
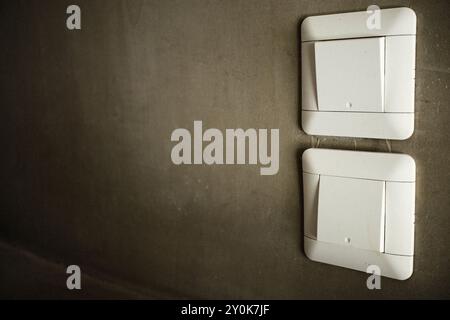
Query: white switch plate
[(356, 81), (359, 210)]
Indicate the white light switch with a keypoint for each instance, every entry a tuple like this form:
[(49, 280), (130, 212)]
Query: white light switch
[(359, 210), (357, 81), (351, 212), (350, 75)]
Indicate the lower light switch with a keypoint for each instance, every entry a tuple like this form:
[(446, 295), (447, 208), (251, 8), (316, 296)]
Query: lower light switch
[(359, 210), (351, 212)]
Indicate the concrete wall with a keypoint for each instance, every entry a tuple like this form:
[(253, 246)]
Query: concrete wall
[(86, 175)]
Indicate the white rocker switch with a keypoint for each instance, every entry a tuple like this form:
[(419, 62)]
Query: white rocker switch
[(350, 75), (351, 212), (357, 81), (359, 210)]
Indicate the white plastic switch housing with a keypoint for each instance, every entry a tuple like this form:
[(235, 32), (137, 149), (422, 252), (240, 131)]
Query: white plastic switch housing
[(359, 81), (359, 210)]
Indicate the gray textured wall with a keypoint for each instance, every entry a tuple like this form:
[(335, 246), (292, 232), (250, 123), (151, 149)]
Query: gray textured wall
[(86, 174)]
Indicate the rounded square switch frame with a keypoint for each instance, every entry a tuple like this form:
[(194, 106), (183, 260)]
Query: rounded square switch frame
[(359, 210), (359, 81)]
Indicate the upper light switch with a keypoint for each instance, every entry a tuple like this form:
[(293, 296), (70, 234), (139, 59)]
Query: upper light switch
[(358, 81), (350, 75)]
